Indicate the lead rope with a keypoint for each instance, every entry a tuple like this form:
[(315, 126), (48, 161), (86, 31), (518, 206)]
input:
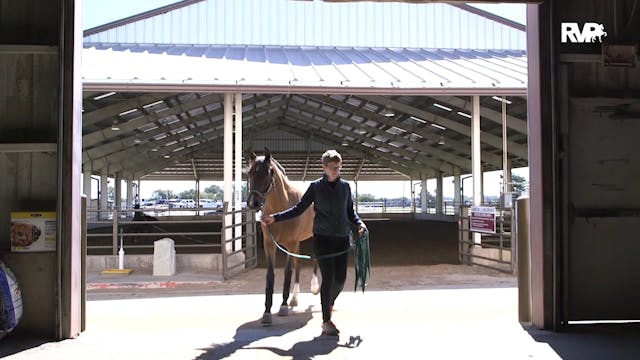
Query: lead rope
[(362, 258)]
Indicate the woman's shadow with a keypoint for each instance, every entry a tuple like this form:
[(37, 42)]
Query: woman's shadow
[(253, 331)]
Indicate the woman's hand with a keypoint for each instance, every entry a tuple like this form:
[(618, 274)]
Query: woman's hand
[(267, 220)]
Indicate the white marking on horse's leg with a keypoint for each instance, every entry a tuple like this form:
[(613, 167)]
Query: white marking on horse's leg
[(315, 287), (294, 298)]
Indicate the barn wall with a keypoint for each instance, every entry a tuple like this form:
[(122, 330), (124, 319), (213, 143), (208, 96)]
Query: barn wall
[(39, 161), (29, 83), (584, 206)]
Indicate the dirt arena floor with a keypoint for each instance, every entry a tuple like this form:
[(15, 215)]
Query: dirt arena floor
[(401, 242)]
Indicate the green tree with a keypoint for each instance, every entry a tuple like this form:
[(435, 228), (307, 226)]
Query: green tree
[(367, 198), (162, 194), (518, 186), (214, 192), (189, 194)]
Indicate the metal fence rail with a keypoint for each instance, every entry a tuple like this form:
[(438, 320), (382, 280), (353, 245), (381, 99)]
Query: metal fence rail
[(192, 233), (239, 252), (493, 251), (118, 225)]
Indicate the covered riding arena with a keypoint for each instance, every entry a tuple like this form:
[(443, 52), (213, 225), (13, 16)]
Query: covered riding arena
[(185, 91)]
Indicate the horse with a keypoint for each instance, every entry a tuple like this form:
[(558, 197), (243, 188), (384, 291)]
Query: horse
[(271, 191)]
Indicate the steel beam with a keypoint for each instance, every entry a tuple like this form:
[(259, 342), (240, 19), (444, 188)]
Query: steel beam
[(420, 131), (489, 139), (110, 111), (432, 163)]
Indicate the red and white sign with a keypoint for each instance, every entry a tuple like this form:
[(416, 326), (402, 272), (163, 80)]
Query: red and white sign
[(483, 219)]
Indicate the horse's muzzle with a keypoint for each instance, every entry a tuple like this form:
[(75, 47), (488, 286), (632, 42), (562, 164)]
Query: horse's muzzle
[(255, 200)]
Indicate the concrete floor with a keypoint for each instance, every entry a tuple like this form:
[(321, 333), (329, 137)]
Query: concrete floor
[(464, 314)]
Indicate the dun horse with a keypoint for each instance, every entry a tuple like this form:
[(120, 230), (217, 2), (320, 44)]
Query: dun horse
[(271, 191)]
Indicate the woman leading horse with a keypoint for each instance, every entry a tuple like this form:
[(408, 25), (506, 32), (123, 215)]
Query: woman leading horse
[(334, 213)]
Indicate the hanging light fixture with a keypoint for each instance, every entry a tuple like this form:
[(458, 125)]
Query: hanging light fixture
[(114, 125), (388, 112), (441, 140)]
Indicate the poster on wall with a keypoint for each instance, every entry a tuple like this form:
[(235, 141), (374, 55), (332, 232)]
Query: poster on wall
[(33, 231), (483, 219)]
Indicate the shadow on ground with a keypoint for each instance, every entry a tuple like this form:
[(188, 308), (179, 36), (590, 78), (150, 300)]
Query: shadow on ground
[(585, 342), (18, 342), (253, 331)]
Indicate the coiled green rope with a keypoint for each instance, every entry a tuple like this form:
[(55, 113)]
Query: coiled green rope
[(362, 260)]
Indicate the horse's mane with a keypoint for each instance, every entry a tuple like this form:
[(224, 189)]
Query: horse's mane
[(280, 167)]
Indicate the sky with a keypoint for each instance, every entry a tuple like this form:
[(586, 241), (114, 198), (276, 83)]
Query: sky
[(99, 12)]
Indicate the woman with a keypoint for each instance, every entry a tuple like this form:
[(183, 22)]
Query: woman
[(333, 205)]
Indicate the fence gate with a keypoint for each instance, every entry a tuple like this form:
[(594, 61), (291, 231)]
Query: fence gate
[(239, 252), (495, 250)]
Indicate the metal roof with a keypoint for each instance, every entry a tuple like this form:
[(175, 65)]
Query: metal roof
[(385, 84), (179, 135), (303, 69), (314, 23)]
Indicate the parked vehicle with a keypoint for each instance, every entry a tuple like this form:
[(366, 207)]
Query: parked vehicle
[(185, 204)]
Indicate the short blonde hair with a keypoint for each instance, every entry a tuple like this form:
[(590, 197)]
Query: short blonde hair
[(331, 156)]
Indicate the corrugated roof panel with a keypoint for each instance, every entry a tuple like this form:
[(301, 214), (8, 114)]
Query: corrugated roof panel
[(315, 23), (402, 67), (291, 67)]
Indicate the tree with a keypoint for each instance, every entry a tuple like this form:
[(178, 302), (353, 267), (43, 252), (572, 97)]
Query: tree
[(189, 194), (366, 198), (162, 194), (519, 185), (214, 192)]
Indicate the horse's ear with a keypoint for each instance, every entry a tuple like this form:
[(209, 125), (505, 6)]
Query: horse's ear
[(267, 154), (252, 156)]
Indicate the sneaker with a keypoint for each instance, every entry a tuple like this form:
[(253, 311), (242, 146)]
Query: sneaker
[(330, 329)]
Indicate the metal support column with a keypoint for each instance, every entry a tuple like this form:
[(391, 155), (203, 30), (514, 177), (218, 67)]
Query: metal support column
[(228, 163), (103, 196), (476, 154), (506, 170), (423, 195), (129, 194), (457, 191), (86, 186), (118, 191), (238, 170), (439, 202)]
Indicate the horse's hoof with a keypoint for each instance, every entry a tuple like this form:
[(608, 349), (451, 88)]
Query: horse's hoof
[(284, 311), (266, 319), (293, 302)]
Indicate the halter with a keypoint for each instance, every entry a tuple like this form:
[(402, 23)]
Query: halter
[(263, 195)]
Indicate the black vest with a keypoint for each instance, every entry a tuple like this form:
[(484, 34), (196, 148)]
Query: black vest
[(330, 207)]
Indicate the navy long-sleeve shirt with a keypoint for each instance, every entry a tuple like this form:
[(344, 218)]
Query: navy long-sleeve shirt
[(333, 208)]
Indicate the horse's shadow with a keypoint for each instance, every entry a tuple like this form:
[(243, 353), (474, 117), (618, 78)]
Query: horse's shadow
[(307, 350), (250, 332)]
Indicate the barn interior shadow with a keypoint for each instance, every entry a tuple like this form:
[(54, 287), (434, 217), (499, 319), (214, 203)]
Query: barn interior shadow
[(597, 341)]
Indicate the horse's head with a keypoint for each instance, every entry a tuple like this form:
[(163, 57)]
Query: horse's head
[(260, 176)]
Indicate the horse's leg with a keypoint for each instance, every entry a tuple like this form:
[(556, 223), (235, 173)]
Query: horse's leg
[(270, 255), (284, 308), (315, 287), (296, 285)]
